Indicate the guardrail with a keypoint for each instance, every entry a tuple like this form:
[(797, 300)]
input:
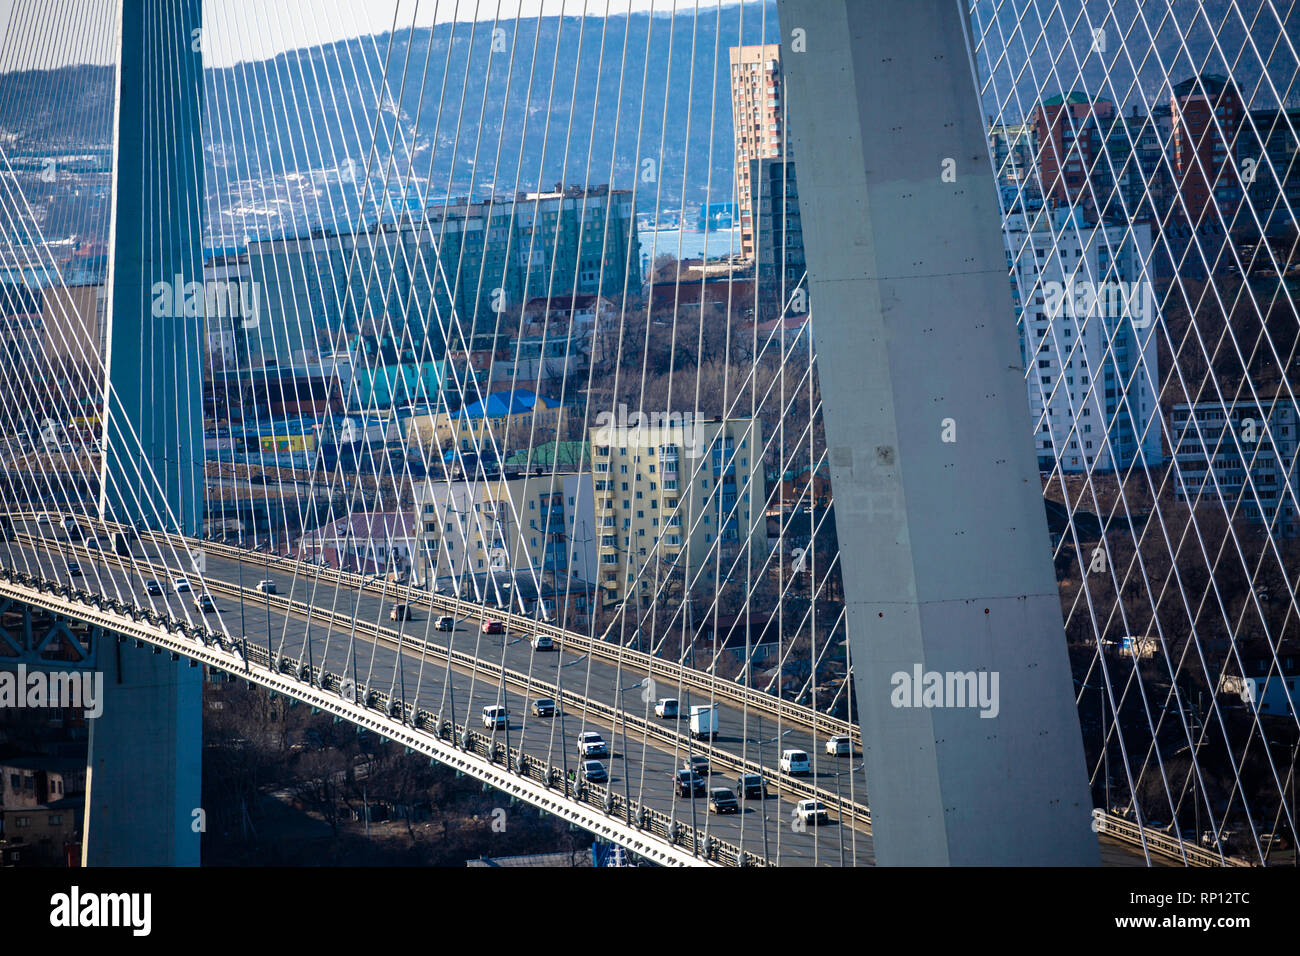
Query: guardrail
[(846, 809), (1109, 824), (1163, 844), (638, 817), (675, 674)]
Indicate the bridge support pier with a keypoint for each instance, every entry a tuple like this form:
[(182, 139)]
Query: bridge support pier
[(144, 772), (144, 764), (969, 728)]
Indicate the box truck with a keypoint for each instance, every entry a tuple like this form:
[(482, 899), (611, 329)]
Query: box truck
[(704, 722)]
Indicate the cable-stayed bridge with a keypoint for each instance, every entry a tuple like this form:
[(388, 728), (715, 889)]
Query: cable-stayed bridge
[(384, 370)]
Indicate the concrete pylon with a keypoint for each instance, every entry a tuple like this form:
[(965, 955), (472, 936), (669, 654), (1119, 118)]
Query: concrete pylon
[(144, 766), (971, 736), (143, 781)]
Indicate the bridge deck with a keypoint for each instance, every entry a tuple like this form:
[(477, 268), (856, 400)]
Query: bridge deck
[(367, 652)]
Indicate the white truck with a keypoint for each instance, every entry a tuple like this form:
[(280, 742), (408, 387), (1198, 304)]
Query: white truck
[(704, 722)]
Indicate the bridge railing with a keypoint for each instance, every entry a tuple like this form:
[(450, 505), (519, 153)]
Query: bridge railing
[(637, 816), (1163, 844), (846, 809), (663, 825), (516, 760), (674, 674)]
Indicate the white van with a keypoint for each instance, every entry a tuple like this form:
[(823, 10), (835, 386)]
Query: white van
[(795, 762), (495, 717)]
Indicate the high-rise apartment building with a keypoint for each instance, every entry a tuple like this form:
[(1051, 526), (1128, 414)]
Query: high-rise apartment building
[(778, 244), (1268, 155), (1066, 149), (673, 493), (1206, 112), (1012, 146), (757, 113), (1243, 453), (1089, 314), (523, 528)]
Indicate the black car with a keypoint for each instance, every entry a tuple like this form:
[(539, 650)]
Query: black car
[(153, 588), (689, 783), (751, 786), (205, 604), (74, 569), (722, 800)]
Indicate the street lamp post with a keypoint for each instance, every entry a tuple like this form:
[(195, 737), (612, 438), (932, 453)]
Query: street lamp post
[(840, 802), (760, 741)]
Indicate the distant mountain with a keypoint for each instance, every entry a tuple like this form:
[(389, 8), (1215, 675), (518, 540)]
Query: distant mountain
[(621, 100), (65, 108), (631, 100)]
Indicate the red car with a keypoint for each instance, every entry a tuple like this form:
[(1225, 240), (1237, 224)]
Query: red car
[(493, 627)]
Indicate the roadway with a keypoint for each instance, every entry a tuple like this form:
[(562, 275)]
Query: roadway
[(641, 766)]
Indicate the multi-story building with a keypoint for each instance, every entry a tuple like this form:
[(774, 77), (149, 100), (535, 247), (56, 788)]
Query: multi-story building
[(1128, 181), (232, 310), (1242, 453), (363, 543), (1089, 311), (42, 803), (1088, 155), (1012, 147), (1065, 145), (758, 117), (675, 493), (441, 274), (74, 322), (500, 423), (1206, 112), (1268, 156), (778, 240), (521, 527)]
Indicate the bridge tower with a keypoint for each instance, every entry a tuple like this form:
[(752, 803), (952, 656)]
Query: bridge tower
[(943, 538), (143, 778)]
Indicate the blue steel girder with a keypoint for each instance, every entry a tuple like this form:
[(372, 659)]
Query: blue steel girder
[(40, 639)]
